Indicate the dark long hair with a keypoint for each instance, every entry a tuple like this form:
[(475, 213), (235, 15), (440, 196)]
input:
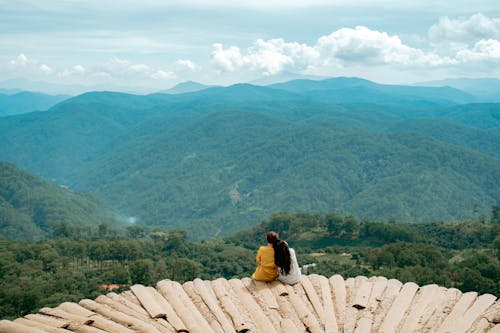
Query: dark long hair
[(282, 257)]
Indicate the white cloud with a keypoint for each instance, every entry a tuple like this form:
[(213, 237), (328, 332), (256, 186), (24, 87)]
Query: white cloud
[(75, 70), (117, 62), (226, 60), (274, 55), (122, 69), (163, 75), (21, 60), (265, 56), (465, 31), (362, 45), (186, 64), (344, 47), (46, 69), (140, 68), (483, 51)]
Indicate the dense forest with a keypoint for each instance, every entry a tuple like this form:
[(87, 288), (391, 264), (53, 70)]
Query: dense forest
[(32, 208), (349, 161), (75, 265), (221, 159)]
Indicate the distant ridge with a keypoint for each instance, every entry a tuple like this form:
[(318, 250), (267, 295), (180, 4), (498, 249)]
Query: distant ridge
[(27, 101), (185, 87), (484, 89), (285, 76), (316, 304), (330, 144), (352, 88)]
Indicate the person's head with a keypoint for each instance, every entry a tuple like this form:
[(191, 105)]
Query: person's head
[(282, 257), (272, 238)]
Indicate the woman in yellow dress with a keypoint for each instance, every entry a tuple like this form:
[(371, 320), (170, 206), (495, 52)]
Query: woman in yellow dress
[(266, 268)]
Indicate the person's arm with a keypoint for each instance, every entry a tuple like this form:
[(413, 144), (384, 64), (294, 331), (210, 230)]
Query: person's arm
[(258, 257)]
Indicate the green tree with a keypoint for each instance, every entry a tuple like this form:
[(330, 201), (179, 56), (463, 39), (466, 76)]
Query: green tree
[(334, 223), (495, 214), (141, 271)]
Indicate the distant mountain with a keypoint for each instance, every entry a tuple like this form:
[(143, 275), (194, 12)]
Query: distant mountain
[(52, 88), (185, 87), (9, 91), (24, 102), (349, 89), (484, 89), (32, 208), (284, 77), (221, 158), (73, 133), (43, 87)]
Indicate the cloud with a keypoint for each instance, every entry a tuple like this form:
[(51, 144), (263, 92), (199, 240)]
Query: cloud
[(483, 51), (365, 46), (266, 56), (163, 75), (465, 31), (75, 70), (186, 64), (122, 69), (140, 68), (23, 65), (226, 60), (46, 69), (21, 60), (341, 48)]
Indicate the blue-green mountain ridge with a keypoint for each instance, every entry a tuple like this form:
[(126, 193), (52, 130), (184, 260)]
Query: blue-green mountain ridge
[(219, 159)]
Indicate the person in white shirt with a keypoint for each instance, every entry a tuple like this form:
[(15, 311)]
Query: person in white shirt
[(288, 267)]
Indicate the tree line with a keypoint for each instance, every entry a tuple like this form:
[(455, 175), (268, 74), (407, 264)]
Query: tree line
[(75, 265)]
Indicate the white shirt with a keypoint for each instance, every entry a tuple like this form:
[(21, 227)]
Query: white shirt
[(294, 275)]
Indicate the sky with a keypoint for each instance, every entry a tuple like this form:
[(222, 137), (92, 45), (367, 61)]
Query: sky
[(147, 45)]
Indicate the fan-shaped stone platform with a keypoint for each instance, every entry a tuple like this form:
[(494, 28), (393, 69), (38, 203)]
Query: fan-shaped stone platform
[(317, 304)]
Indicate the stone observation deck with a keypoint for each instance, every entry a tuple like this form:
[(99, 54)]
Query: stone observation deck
[(317, 304)]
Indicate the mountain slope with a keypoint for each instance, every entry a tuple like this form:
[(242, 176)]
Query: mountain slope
[(229, 170), (218, 159), (25, 101), (485, 141), (483, 115), (32, 208)]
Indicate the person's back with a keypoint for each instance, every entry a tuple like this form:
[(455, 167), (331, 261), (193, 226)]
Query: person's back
[(294, 274), (266, 269)]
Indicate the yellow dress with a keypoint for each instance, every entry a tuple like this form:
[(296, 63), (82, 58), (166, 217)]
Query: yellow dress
[(266, 269)]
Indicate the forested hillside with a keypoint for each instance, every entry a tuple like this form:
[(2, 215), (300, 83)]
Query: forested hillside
[(33, 275), (25, 101), (219, 182), (33, 209), (223, 158)]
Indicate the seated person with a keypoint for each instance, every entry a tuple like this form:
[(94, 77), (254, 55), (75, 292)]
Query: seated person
[(288, 267), (266, 268)]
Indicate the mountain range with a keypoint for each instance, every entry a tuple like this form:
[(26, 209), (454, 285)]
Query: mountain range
[(185, 87), (216, 160), (484, 89), (25, 101)]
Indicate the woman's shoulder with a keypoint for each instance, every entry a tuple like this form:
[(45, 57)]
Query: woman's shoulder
[(265, 248)]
